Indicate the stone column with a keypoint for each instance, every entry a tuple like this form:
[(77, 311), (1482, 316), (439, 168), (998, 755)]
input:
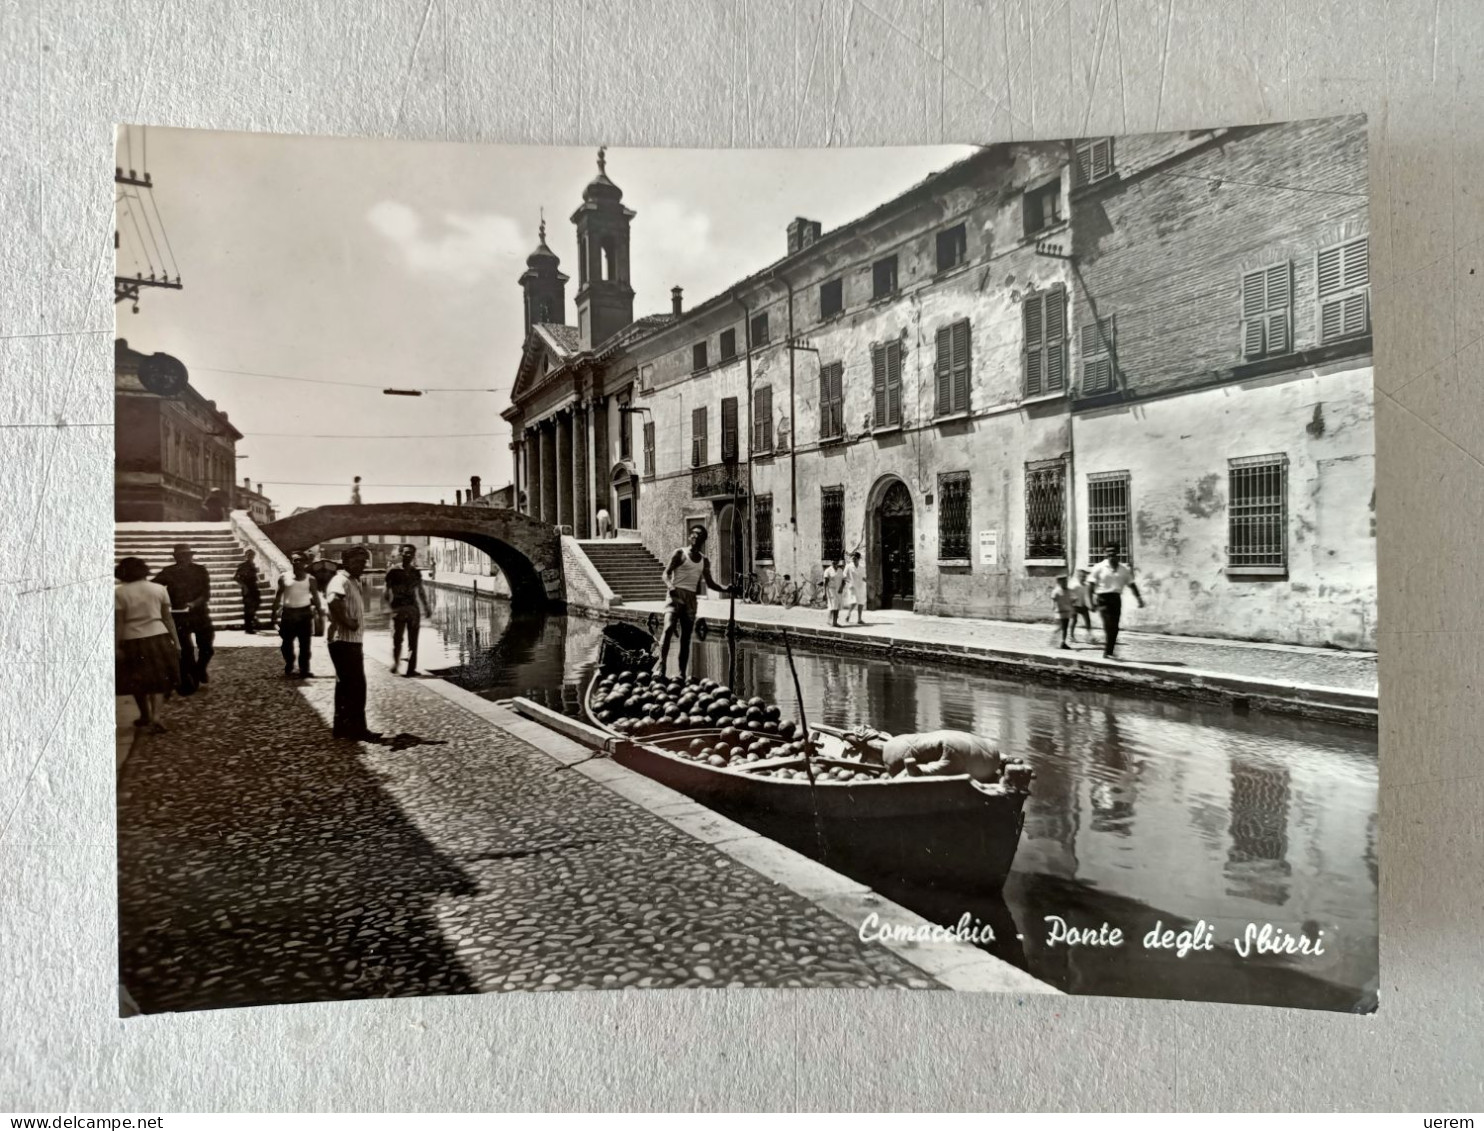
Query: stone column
[(548, 473), (602, 460), (533, 472), (582, 499), (592, 482), (564, 467)]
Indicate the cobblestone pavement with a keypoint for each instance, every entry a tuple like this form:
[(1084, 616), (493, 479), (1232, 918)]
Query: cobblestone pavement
[(262, 861), (1272, 663)]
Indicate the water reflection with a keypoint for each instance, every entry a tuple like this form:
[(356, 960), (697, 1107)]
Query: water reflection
[(1142, 810)]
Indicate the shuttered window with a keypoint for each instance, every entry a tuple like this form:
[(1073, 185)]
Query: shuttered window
[(1257, 514), (953, 516), (886, 384), (1045, 353), (698, 437), (1267, 315), (729, 430), (1344, 291), (698, 356), (762, 525), (832, 401), (953, 368), (728, 345), (649, 449), (884, 277), (1041, 207), (760, 330), (1094, 160), (1098, 370), (762, 419), (953, 247)]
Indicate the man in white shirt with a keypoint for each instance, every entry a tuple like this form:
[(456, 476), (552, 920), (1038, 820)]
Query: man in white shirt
[(1108, 579), (348, 612)]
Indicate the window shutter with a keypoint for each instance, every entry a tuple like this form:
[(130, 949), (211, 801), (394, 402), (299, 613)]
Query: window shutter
[(894, 382), (1056, 341), (1331, 270), (1034, 355), (1279, 299), (878, 385), (698, 437), (944, 370), (1102, 158), (1254, 294), (837, 397), (1357, 271), (961, 369), (728, 429)]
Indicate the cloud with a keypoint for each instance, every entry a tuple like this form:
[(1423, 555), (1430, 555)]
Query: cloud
[(464, 247), (672, 232)]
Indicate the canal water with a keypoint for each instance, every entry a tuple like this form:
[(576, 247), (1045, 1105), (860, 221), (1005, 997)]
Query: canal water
[(1146, 815)]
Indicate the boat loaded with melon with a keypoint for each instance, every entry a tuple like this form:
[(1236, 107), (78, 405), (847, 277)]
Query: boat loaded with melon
[(828, 793)]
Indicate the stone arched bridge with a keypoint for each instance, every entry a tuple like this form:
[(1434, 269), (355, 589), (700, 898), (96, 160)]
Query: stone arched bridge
[(528, 551)]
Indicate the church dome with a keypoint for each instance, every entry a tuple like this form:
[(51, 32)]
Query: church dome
[(543, 254)]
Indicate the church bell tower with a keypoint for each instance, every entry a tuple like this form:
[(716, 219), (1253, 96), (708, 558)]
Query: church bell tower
[(545, 286), (605, 300)]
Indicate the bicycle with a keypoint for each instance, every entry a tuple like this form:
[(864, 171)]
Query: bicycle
[(752, 592)]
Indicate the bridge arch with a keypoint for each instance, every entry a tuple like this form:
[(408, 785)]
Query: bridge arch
[(528, 551)]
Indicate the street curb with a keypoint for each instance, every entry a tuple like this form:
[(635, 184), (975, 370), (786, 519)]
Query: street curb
[(1334, 704), (952, 963)]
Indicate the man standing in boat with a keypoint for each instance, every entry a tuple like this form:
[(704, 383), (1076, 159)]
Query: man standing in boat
[(688, 568)]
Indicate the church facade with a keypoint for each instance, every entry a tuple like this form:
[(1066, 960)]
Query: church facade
[(1160, 341)]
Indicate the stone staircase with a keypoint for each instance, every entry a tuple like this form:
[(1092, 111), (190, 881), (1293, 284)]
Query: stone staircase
[(215, 547), (631, 571)]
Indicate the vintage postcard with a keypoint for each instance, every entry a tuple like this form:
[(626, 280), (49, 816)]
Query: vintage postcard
[(603, 569)]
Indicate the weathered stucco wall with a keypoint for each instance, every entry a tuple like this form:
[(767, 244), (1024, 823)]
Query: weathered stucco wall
[(1176, 449)]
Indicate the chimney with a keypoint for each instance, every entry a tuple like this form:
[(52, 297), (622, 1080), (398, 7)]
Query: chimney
[(473, 487), (676, 305), (246, 483), (802, 233), (458, 498), (260, 487)]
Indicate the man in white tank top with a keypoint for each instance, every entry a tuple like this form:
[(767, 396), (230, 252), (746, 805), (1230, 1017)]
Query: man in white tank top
[(683, 576), (296, 600)]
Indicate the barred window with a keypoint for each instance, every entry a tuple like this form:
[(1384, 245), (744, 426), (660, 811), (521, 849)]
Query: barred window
[(762, 419), (760, 330), (832, 401), (649, 449), (953, 370), (1046, 510), (1094, 160), (832, 523), (1045, 351), (729, 429), (762, 523), (1107, 515), (884, 277), (953, 516), (698, 437), (953, 247), (831, 298), (1344, 291), (728, 345), (1267, 317), (1099, 372), (886, 384), (1257, 514)]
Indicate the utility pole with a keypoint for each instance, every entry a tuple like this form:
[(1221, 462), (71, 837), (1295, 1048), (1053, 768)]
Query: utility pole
[(126, 287)]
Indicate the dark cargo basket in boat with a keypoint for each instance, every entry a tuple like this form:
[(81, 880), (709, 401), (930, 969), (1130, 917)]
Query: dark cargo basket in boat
[(626, 647)]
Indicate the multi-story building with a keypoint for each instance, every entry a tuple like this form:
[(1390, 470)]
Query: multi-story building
[(258, 505), (1162, 341), (170, 451)]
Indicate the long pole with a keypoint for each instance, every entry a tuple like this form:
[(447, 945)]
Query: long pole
[(803, 718)]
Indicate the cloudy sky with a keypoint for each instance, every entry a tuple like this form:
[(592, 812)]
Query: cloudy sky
[(379, 263)]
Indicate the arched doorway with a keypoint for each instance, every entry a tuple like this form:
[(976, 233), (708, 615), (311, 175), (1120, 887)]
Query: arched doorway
[(625, 496), (730, 566), (893, 545)]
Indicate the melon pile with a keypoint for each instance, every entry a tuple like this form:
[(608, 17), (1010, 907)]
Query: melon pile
[(641, 704)]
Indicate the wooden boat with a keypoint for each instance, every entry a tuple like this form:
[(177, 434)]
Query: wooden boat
[(948, 832)]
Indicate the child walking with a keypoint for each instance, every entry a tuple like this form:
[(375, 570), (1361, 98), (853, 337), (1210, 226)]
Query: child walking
[(1081, 606), (1066, 606)]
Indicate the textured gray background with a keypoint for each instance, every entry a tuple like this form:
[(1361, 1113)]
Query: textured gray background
[(743, 73)]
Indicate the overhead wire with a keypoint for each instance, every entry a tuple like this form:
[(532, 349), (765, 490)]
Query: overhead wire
[(342, 384)]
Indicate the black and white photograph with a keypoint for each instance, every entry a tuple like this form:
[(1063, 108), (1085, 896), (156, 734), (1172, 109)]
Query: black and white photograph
[(604, 568)]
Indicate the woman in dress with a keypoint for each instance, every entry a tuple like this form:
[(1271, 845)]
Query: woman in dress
[(834, 590), (146, 649)]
